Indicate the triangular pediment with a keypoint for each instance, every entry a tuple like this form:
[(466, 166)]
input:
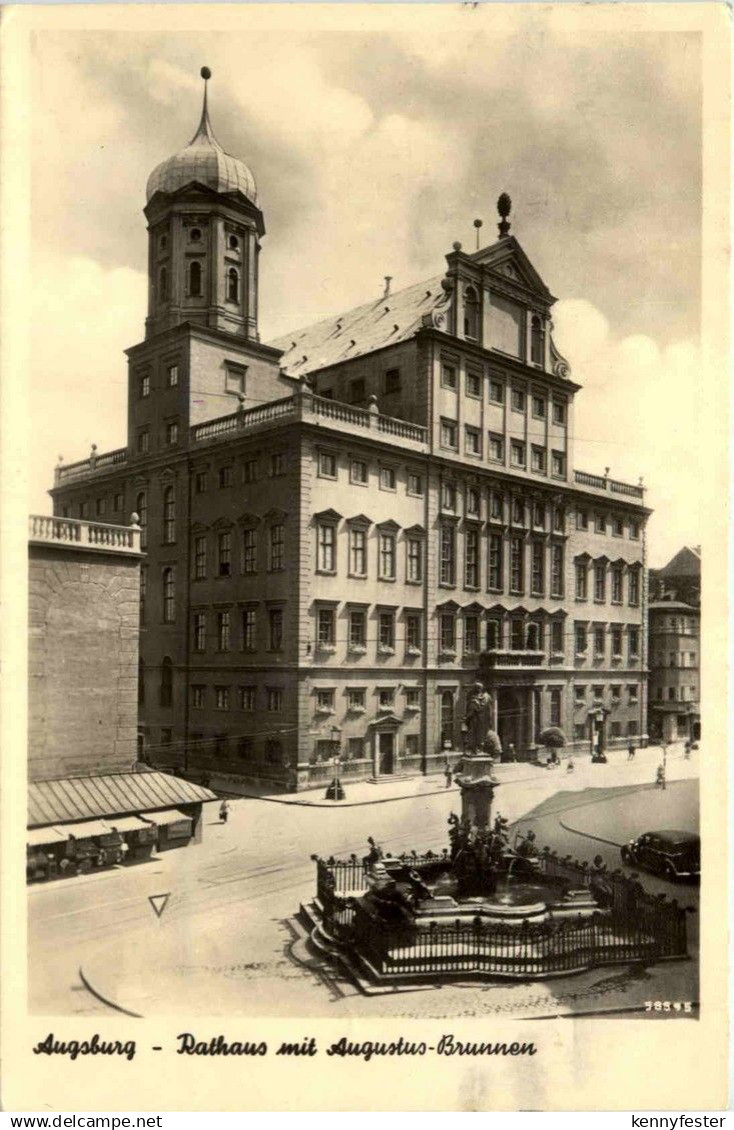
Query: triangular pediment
[(359, 520), (274, 514), (248, 519), (507, 262), (327, 516)]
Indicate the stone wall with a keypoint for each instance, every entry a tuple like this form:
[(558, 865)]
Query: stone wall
[(83, 662)]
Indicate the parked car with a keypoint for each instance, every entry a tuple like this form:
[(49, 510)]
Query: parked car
[(674, 854)]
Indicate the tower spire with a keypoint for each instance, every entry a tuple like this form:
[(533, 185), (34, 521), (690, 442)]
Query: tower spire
[(205, 127)]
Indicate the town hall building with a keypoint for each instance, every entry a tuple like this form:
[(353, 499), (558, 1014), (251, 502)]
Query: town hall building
[(346, 527)]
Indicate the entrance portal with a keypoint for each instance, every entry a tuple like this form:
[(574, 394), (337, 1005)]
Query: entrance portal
[(385, 751), (512, 712)]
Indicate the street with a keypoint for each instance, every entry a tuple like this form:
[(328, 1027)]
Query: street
[(226, 942)]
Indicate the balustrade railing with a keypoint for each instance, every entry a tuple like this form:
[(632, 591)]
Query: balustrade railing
[(73, 531), (599, 482), (526, 658), (85, 467)]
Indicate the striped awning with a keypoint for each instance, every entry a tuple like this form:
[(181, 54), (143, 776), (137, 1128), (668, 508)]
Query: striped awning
[(115, 794)]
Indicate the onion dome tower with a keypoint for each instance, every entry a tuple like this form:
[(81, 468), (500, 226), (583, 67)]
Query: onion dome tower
[(204, 230)]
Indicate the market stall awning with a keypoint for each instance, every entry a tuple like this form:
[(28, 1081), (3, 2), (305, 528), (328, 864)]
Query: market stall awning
[(107, 795), (86, 829), (127, 823), (172, 816), (38, 837)]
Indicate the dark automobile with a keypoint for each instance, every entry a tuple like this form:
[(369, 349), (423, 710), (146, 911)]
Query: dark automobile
[(674, 854)]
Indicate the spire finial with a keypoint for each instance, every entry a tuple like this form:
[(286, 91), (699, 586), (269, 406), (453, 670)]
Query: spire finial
[(205, 127), (504, 206)]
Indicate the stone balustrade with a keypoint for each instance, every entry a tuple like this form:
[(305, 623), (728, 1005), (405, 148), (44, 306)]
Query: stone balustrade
[(46, 529), (601, 482), (70, 471), (497, 657)]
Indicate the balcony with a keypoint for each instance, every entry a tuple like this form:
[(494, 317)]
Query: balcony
[(86, 467), (45, 530), (607, 485), (498, 659)]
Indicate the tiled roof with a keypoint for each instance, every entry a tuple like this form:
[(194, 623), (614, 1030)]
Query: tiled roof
[(383, 321), (84, 798)]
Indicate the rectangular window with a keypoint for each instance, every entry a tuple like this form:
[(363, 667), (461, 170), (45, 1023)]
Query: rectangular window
[(415, 560), (200, 631), (616, 642), (355, 749), (496, 392), (448, 496), (413, 631), (356, 698), (616, 584), (387, 557), (517, 571), (635, 530), (539, 516), (494, 578), (517, 635), (580, 639), (448, 434), (118, 502), (357, 391), (325, 628), (579, 731), (143, 442), (221, 698), (249, 629), (357, 552), (201, 482), (496, 448), (496, 506), (387, 631), (559, 413), (538, 570), (518, 400), (581, 575), (471, 634), (392, 381), (538, 458), (387, 478), (172, 376), (277, 464), (358, 471), (325, 702), (494, 634), (472, 502), (326, 558), (447, 632), (357, 628), (100, 507), (274, 698), (616, 694), (144, 386), (474, 385), (539, 407), (327, 465), (598, 693), (633, 694), (600, 523), (415, 485), (557, 637), (277, 547), (555, 708), (617, 527), (198, 693), (199, 558), (557, 570), (447, 555), (558, 464), (249, 471), (225, 477), (449, 378), (634, 643), (412, 698), (275, 625), (222, 631), (633, 587), (579, 695), (517, 453), (472, 441), (471, 559), (600, 582), (224, 553), (246, 698), (385, 698), (599, 642), (171, 432), (249, 551), (582, 520), (633, 728)]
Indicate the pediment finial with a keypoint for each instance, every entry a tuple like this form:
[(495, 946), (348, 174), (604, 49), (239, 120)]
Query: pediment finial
[(504, 207)]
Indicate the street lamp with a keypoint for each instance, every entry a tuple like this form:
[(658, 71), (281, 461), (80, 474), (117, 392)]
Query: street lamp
[(335, 790)]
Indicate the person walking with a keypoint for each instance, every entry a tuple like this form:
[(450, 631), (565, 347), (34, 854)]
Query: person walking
[(511, 752), (660, 777), (448, 774), (631, 751), (224, 811)]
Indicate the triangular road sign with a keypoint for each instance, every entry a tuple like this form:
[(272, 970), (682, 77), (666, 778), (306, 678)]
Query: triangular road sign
[(158, 902)]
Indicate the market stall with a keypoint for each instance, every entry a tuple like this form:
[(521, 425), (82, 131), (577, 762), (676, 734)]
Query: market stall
[(43, 853), (175, 828), (139, 837)]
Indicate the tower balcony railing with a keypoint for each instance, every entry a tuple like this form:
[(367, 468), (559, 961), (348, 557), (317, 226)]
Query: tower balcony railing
[(604, 483), (47, 530), (500, 658), (70, 471)]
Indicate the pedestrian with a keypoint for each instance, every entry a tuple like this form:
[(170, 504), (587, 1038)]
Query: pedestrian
[(569, 765), (511, 752), (631, 751), (687, 751), (660, 777), (448, 774), (224, 811)]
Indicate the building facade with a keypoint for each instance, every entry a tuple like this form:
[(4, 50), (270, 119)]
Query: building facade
[(346, 528), (675, 647)]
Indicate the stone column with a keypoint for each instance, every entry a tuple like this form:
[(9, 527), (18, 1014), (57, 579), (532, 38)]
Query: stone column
[(477, 785)]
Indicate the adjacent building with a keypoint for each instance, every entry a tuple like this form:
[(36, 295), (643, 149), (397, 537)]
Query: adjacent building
[(348, 526), (675, 648)]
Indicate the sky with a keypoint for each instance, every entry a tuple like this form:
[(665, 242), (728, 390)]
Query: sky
[(373, 151)]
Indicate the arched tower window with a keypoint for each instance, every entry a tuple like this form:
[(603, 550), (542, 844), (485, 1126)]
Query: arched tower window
[(169, 596), (141, 505), (167, 682), (163, 284), (195, 279), (233, 285), (471, 313), (537, 342), (169, 516)]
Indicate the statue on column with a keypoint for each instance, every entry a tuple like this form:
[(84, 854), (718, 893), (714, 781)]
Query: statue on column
[(478, 719)]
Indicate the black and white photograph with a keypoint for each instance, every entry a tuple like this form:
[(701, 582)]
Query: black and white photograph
[(371, 492)]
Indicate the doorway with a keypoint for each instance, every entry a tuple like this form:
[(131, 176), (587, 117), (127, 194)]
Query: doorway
[(511, 720), (385, 751)]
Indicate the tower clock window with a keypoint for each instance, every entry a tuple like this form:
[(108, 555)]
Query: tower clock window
[(195, 235), (233, 285)]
